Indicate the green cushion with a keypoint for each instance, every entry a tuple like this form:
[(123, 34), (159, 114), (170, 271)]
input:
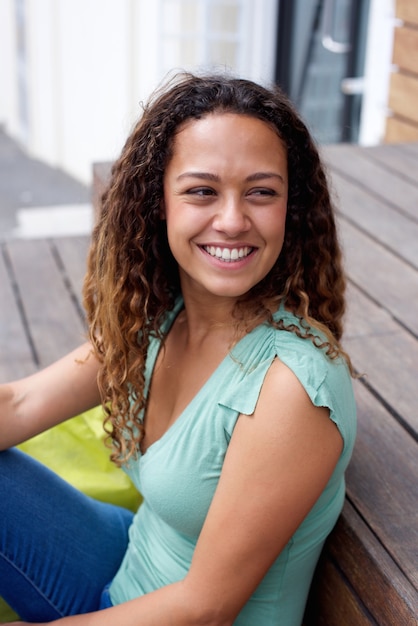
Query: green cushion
[(6, 613), (75, 451)]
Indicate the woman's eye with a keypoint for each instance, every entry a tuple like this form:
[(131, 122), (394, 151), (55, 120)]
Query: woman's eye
[(200, 191), (262, 192)]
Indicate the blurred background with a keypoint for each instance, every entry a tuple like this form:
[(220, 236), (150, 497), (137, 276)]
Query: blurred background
[(73, 74)]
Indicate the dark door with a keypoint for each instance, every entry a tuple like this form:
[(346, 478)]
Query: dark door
[(320, 62)]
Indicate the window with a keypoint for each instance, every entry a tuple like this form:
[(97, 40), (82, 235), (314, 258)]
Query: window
[(237, 35)]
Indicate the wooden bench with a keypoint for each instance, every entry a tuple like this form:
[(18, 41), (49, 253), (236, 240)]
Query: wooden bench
[(369, 570), (368, 573)]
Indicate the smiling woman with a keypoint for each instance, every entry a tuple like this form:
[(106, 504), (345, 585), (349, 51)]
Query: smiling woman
[(227, 201), (214, 296)]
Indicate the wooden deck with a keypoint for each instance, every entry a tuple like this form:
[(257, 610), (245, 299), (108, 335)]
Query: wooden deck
[(371, 563), (369, 571)]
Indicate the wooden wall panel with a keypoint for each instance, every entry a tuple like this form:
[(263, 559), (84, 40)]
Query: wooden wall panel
[(407, 10), (405, 48), (403, 96), (398, 131), (402, 124)]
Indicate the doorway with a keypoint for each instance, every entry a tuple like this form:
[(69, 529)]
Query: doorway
[(321, 47)]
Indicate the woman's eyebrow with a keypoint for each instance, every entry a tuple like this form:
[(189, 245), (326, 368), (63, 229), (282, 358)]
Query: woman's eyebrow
[(202, 175), (263, 175), (215, 178)]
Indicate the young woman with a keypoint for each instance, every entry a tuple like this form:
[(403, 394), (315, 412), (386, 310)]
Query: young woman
[(214, 296)]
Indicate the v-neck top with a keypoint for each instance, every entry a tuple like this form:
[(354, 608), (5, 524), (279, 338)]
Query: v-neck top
[(179, 472)]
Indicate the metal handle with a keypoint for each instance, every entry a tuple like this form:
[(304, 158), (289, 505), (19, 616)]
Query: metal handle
[(353, 86), (328, 41)]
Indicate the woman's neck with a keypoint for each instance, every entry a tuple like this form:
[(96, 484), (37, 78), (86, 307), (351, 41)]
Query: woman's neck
[(199, 324), (217, 318)]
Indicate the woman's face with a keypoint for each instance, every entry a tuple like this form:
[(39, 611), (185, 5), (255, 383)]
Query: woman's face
[(225, 198)]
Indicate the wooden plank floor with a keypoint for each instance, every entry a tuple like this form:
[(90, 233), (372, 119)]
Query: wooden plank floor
[(377, 195), (369, 571), (41, 314)]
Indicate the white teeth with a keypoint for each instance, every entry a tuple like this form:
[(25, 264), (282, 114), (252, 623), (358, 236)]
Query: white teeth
[(228, 254)]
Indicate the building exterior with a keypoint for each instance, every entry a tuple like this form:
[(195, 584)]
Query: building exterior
[(402, 124), (74, 72)]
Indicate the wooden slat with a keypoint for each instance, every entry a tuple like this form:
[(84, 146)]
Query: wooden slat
[(400, 130), (407, 10), (387, 279), (72, 252), (412, 149), (357, 582), (371, 573), (403, 96), (398, 158), (380, 348), (332, 601), (380, 181), (382, 482), (381, 221), (16, 358), (405, 49), (55, 323)]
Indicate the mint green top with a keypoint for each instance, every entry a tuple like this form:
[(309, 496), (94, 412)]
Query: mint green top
[(179, 473)]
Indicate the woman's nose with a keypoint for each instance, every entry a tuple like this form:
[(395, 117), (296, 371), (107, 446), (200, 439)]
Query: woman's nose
[(231, 218)]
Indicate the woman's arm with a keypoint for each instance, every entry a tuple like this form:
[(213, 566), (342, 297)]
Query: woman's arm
[(48, 397), (278, 462)]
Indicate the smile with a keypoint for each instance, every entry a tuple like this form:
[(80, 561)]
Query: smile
[(229, 255)]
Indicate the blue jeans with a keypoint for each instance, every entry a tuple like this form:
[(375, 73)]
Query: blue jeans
[(58, 547)]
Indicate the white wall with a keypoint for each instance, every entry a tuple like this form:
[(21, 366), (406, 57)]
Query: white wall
[(79, 69), (378, 64), (80, 62), (8, 69), (88, 65)]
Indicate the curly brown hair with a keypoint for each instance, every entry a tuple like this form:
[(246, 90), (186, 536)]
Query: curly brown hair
[(132, 278)]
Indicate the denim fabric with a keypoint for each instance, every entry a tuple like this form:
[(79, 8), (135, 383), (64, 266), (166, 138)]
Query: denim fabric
[(58, 547), (105, 601)]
